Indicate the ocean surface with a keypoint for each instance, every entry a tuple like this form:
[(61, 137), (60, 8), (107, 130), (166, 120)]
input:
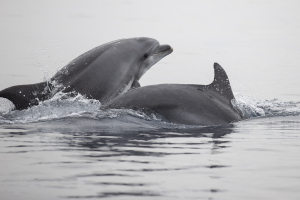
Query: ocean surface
[(67, 148)]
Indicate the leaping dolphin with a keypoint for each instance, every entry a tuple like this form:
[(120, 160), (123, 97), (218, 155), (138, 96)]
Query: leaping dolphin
[(101, 73), (206, 105)]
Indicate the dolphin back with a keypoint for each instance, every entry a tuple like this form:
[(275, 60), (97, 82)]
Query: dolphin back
[(184, 103)]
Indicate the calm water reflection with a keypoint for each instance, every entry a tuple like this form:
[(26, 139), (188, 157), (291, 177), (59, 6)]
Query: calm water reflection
[(247, 160)]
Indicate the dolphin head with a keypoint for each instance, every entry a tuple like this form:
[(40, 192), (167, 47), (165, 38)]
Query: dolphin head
[(150, 53), (132, 57)]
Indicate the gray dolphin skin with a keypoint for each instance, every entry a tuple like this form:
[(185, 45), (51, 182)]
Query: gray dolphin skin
[(102, 73), (205, 105)]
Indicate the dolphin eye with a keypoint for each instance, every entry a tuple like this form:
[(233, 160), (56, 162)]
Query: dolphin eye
[(146, 55)]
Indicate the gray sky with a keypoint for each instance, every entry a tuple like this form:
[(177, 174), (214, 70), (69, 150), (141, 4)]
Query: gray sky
[(257, 42)]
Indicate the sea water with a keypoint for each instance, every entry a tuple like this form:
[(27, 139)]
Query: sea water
[(67, 148), (53, 151)]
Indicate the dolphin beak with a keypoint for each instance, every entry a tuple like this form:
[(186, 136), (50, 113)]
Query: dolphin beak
[(163, 50), (160, 52)]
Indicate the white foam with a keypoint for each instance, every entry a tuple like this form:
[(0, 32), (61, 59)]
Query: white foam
[(251, 107), (6, 105), (59, 106), (63, 105)]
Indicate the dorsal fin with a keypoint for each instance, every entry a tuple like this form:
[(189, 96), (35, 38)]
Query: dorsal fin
[(221, 82)]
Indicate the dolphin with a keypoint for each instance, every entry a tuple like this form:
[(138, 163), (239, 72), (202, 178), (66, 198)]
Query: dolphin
[(102, 73), (206, 105)]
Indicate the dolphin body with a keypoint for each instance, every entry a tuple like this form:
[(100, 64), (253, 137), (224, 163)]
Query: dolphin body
[(206, 105), (101, 73)]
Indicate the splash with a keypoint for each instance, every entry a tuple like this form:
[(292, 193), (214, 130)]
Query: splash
[(250, 107), (279, 108), (6, 105), (63, 105), (247, 106), (73, 105), (59, 106)]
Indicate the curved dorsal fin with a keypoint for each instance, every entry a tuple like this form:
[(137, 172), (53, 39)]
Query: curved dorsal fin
[(221, 82)]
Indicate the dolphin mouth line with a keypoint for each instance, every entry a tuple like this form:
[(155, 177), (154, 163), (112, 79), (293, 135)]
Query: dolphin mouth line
[(162, 52)]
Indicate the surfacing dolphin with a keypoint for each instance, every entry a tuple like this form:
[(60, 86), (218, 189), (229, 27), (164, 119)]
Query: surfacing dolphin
[(101, 73), (207, 105)]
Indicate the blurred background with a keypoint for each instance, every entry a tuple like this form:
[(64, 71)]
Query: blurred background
[(257, 42)]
